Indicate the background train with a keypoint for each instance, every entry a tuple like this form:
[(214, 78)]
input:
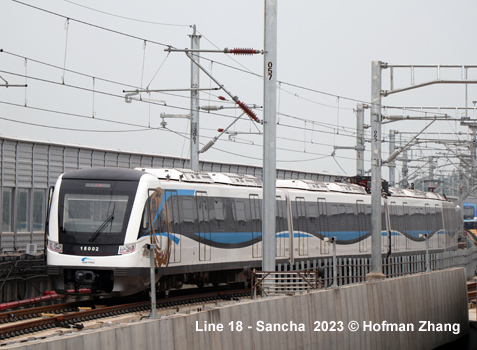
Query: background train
[(207, 226), (470, 216)]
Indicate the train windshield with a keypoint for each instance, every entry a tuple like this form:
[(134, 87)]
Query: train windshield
[(469, 212), (95, 212)]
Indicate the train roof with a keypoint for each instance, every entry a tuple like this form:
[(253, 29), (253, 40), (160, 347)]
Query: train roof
[(187, 175), (312, 185), (309, 185), (123, 174), (402, 192)]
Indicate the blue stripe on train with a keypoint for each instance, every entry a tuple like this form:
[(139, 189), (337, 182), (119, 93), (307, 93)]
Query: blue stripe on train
[(240, 237)]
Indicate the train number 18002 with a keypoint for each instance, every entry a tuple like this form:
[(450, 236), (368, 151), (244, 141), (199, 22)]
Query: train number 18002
[(89, 249)]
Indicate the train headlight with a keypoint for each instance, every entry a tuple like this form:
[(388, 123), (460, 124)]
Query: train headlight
[(56, 247), (126, 249)]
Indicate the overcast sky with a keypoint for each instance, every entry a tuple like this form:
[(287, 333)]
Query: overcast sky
[(76, 71)]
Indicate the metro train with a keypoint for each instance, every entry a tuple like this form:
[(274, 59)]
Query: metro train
[(207, 226), (470, 216)]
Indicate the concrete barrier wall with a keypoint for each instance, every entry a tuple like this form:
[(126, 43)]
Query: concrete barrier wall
[(323, 320)]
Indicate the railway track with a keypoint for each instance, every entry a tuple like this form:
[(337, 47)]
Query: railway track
[(75, 315)]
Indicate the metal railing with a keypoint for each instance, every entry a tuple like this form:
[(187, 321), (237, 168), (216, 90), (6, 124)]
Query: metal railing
[(290, 279), (279, 283)]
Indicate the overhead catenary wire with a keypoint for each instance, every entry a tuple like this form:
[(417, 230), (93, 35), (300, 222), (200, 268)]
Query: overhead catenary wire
[(204, 58), (284, 125), (320, 92), (186, 135), (92, 25), (142, 128), (184, 108), (171, 46), (139, 126), (96, 78), (128, 18)]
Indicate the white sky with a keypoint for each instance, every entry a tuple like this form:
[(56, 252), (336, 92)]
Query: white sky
[(325, 50)]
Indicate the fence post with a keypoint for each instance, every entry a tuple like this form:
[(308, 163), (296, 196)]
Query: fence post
[(152, 271), (332, 240)]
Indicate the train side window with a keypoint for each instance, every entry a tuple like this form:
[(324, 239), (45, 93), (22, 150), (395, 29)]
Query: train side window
[(368, 209), (187, 214), (334, 210), (239, 212), (350, 213), (312, 213), (341, 209), (203, 208), (301, 214), (341, 218), (174, 212), (188, 209), (219, 210), (334, 218)]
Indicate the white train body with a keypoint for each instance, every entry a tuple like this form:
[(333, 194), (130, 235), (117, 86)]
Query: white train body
[(207, 227)]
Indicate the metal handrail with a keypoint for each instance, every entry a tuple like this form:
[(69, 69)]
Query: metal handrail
[(284, 282)]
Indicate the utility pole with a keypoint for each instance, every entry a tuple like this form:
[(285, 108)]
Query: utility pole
[(432, 167), (376, 271), (269, 136), (194, 103), (392, 163), (360, 138), (359, 148), (405, 169)]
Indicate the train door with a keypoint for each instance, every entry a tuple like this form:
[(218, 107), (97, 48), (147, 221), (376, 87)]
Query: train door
[(361, 215), (437, 224), (164, 227), (406, 223), (323, 225), (429, 222), (440, 237), (203, 226), (255, 217), (173, 226), (448, 223), (301, 226), (289, 215), (281, 226)]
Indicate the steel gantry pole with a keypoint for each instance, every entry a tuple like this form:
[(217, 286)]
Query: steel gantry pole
[(360, 138), (269, 135), (376, 218), (194, 104)]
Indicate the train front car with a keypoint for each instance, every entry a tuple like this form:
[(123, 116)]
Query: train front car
[(94, 222)]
